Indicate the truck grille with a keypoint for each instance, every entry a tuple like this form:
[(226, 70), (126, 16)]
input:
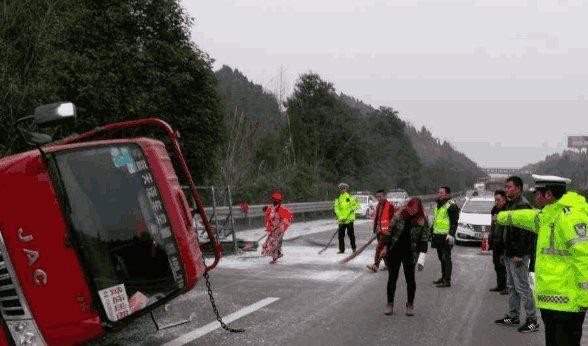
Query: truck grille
[(12, 304)]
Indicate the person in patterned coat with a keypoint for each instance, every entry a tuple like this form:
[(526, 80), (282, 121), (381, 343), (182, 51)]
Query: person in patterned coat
[(277, 220)]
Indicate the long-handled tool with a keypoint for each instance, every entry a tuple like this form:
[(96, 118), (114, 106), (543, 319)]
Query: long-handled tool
[(358, 251), (249, 244), (329, 243)]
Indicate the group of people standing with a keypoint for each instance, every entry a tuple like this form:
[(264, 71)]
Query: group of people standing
[(513, 254), (551, 241), (560, 258)]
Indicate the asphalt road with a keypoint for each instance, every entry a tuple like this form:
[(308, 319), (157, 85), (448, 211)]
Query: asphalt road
[(309, 299)]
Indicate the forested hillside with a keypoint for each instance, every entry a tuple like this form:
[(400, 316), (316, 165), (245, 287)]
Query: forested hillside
[(569, 164), (324, 137), (116, 61)]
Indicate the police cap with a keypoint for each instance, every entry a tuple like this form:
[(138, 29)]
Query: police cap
[(543, 181)]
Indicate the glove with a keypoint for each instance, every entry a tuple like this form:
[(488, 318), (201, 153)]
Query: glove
[(450, 240), (421, 261)]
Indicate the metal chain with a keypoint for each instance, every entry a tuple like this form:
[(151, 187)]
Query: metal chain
[(215, 309)]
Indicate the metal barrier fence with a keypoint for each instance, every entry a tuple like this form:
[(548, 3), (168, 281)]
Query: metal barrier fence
[(298, 208)]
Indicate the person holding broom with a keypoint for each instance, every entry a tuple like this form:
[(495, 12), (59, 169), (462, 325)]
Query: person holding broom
[(405, 244), (382, 218), (277, 220)]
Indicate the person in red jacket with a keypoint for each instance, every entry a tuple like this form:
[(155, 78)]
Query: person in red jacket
[(277, 220), (382, 217)]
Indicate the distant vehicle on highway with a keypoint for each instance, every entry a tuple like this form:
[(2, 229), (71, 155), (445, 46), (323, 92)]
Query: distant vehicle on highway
[(474, 219), (367, 205), (398, 197)]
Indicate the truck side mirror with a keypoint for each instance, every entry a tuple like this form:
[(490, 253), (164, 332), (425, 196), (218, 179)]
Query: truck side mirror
[(54, 113)]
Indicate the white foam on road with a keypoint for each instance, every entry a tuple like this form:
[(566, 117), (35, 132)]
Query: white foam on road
[(298, 229), (304, 263), (195, 334)]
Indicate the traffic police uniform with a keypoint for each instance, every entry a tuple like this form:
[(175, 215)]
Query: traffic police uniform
[(561, 267), (444, 227), (345, 207)]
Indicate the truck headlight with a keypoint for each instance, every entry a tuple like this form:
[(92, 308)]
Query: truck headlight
[(25, 333)]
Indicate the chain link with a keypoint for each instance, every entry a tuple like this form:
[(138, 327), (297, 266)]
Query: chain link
[(215, 309)]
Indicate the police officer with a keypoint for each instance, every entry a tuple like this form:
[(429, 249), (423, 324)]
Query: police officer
[(561, 267), (444, 226), (345, 207)]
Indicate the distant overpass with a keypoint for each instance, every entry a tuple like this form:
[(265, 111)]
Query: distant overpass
[(506, 171)]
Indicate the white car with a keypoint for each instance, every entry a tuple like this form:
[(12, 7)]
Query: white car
[(397, 197), (474, 219), (367, 205)]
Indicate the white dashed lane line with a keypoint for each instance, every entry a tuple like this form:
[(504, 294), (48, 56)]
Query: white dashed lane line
[(195, 334)]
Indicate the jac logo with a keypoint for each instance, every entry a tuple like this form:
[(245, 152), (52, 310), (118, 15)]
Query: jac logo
[(39, 276)]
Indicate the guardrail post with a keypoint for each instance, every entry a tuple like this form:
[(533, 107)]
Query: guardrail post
[(231, 216)]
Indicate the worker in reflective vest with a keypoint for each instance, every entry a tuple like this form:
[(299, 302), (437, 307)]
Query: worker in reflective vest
[(382, 217), (345, 206), (444, 227), (561, 267)]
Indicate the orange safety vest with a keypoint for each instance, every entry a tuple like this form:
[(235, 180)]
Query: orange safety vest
[(385, 218)]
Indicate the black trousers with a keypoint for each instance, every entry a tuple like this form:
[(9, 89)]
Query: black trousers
[(350, 233), (444, 254), (396, 257), (500, 270), (562, 328)]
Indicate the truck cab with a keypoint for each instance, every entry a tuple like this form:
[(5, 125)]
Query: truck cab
[(93, 233)]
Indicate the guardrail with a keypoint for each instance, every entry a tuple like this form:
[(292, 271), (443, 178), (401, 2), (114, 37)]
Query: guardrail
[(256, 210)]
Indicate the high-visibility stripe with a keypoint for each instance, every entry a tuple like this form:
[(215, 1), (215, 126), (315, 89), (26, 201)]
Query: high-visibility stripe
[(553, 299)]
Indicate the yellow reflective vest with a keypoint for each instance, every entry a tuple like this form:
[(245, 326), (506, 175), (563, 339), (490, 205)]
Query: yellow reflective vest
[(442, 224), (345, 207), (561, 267)]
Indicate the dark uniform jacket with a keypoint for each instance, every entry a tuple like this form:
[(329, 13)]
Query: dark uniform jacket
[(495, 241), (518, 242)]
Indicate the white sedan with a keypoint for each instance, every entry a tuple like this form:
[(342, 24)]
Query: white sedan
[(367, 205), (474, 219)]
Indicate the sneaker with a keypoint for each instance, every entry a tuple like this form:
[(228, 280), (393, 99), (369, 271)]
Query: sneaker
[(508, 321), (409, 309), (504, 292), (529, 326), (495, 289), (389, 309), (436, 282), (444, 284), (384, 268)]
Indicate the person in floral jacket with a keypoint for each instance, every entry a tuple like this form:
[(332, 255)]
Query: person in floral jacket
[(277, 220)]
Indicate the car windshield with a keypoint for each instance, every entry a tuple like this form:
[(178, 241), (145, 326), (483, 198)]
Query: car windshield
[(361, 199), (478, 207), (121, 226)]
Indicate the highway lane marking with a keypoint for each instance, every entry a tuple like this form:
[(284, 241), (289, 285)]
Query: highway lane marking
[(195, 334)]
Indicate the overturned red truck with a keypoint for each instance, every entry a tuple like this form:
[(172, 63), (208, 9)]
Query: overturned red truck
[(93, 232)]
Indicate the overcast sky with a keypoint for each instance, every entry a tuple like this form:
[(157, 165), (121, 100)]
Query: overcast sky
[(503, 80)]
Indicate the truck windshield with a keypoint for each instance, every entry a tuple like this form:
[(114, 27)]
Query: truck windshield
[(121, 226)]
